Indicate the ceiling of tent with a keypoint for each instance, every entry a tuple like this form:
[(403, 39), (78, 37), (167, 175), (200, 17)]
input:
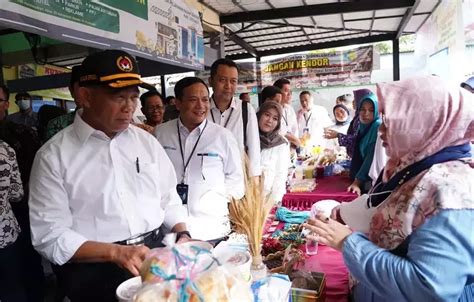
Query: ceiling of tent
[(256, 28)]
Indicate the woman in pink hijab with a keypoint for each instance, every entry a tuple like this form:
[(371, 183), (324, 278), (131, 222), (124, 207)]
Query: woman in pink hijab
[(420, 243)]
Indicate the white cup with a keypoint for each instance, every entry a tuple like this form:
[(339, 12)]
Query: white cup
[(311, 244)]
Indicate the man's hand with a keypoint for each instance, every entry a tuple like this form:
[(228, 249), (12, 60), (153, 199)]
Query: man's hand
[(130, 257), (293, 139)]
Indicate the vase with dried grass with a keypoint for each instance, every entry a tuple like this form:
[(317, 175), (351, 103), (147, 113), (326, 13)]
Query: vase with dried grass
[(248, 216)]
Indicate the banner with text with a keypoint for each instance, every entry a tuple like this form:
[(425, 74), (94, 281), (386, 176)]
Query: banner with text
[(348, 67), (163, 30)]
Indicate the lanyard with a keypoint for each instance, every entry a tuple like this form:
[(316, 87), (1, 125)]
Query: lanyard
[(192, 152), (307, 119), (285, 117), (228, 118)]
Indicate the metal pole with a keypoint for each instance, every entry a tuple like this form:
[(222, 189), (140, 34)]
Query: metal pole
[(259, 80), (396, 59), (1, 67), (163, 88)]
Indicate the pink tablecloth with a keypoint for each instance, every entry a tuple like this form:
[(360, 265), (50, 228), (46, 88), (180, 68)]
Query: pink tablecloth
[(332, 187), (328, 261)]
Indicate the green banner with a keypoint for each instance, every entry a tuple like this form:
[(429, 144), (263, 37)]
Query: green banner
[(80, 11), (138, 8)]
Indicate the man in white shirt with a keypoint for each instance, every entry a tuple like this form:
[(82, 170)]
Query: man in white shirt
[(312, 119), (101, 188), (206, 159), (226, 111), (289, 124)]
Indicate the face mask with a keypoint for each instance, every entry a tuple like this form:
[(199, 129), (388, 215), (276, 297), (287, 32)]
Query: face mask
[(24, 104)]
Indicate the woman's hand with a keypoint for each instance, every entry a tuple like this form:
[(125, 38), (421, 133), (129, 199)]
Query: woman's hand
[(330, 133), (354, 187), (330, 232)]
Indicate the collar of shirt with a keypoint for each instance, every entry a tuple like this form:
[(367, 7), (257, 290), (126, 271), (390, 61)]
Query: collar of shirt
[(233, 104), (84, 130), (185, 132)]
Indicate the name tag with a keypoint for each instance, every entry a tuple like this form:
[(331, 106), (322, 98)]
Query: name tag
[(182, 190)]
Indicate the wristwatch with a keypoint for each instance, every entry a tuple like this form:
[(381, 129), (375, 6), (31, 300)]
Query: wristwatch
[(179, 234)]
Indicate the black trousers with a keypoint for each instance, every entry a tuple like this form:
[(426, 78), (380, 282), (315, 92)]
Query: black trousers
[(32, 269), (12, 281), (95, 281)]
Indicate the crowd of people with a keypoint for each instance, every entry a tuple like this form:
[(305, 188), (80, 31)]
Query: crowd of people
[(102, 190)]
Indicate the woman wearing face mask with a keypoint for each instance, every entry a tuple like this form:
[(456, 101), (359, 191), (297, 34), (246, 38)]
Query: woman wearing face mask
[(419, 246), (363, 153), (275, 151)]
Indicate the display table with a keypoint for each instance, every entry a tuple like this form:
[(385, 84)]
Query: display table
[(328, 261), (331, 187)]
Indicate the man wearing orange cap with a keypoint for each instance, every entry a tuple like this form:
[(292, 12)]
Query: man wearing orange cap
[(101, 188)]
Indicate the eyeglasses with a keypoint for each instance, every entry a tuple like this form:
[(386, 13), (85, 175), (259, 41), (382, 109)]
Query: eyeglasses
[(2, 100), (155, 108)]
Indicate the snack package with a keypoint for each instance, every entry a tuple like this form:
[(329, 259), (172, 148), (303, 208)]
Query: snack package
[(189, 272), (274, 288), (180, 261), (220, 284)]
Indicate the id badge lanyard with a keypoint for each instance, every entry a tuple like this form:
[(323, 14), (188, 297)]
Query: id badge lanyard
[(182, 188), (307, 119)]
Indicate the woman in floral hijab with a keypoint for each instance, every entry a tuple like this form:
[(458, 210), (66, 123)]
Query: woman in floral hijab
[(420, 243)]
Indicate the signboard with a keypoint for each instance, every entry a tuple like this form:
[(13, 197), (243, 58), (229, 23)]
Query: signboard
[(348, 67), (163, 30), (33, 70)]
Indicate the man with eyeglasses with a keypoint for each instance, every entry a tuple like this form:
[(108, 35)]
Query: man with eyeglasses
[(25, 116), (101, 189), (152, 107), (4, 103)]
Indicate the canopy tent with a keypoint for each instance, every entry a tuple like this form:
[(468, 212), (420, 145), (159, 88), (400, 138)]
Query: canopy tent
[(271, 27)]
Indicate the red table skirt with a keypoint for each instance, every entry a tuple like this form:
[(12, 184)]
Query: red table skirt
[(332, 187)]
